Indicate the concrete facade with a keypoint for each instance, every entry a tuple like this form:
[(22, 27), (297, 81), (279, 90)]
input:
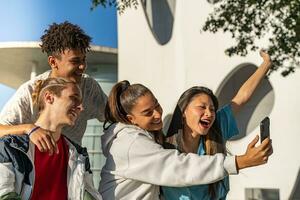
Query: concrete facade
[(190, 58)]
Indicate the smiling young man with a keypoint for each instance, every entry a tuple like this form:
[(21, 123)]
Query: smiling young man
[(66, 45), (27, 173)]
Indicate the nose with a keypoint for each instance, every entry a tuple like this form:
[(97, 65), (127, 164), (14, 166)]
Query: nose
[(208, 112), (80, 108), (83, 66), (158, 112)]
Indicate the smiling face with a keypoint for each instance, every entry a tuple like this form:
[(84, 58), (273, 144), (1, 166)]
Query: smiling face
[(147, 113), (199, 115), (68, 105), (69, 64)]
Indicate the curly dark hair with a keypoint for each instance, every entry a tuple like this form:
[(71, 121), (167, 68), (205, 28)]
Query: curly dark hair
[(66, 35)]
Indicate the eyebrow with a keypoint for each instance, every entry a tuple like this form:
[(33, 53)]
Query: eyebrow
[(75, 58), (201, 104), (149, 109), (77, 96)]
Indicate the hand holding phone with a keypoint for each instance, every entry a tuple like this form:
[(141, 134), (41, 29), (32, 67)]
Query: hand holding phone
[(264, 128)]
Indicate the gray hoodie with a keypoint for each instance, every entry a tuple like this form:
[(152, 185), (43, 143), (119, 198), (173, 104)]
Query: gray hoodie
[(136, 165)]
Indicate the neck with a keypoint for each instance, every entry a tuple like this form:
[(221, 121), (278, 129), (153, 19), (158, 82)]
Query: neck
[(49, 122), (190, 140)]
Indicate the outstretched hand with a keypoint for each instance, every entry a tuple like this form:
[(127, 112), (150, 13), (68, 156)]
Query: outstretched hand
[(44, 141), (255, 155)]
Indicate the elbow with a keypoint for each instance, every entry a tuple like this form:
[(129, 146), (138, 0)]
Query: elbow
[(241, 99)]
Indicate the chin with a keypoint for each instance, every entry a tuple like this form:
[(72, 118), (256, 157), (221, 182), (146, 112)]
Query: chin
[(157, 128), (202, 132), (77, 79)]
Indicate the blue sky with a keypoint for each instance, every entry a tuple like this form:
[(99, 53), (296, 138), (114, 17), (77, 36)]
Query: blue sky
[(27, 20)]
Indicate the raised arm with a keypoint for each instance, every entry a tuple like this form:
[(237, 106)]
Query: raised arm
[(247, 89)]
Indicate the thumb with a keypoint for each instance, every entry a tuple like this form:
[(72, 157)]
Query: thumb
[(253, 142)]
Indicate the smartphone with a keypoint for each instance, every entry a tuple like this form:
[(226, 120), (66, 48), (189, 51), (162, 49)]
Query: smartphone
[(264, 128)]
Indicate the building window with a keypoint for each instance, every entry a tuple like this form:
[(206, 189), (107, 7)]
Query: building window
[(160, 17)]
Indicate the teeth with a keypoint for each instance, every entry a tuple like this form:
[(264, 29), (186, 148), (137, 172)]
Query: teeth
[(156, 122)]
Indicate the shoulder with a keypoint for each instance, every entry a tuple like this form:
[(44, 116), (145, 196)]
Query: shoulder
[(87, 81), (9, 144), (90, 87), (132, 131), (29, 85)]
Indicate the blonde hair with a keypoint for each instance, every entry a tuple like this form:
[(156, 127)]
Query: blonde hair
[(53, 85)]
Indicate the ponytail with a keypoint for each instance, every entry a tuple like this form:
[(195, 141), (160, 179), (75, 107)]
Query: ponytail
[(114, 111), (122, 98)]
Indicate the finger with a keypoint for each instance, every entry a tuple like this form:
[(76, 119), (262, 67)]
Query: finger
[(39, 146), (44, 146), (54, 145), (265, 159), (253, 142), (270, 151), (265, 144), (48, 142)]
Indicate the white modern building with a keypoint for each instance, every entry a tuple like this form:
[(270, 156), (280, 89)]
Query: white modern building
[(162, 43)]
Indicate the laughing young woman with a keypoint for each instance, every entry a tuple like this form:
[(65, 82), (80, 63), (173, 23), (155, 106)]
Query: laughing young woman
[(136, 165), (199, 127), (27, 173)]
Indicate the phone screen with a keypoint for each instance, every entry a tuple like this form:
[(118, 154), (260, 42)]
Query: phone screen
[(264, 128)]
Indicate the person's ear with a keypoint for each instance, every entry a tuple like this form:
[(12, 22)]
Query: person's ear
[(52, 60), (183, 114), (49, 97), (131, 118)]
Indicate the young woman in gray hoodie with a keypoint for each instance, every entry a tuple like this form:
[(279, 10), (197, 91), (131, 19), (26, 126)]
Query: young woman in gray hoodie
[(136, 164)]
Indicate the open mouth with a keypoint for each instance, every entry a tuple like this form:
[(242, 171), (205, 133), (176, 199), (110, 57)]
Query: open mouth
[(205, 123), (157, 122), (78, 73)]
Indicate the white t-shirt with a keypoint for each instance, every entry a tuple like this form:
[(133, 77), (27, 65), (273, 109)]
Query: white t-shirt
[(20, 110)]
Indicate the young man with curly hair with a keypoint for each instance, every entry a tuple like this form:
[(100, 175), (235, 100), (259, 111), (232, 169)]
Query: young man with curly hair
[(66, 45)]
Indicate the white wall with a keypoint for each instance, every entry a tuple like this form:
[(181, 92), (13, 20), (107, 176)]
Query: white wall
[(193, 58)]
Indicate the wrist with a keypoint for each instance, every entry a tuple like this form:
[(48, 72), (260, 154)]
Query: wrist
[(267, 63), (241, 162), (32, 129), (27, 128)]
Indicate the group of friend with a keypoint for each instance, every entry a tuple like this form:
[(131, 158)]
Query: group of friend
[(42, 125)]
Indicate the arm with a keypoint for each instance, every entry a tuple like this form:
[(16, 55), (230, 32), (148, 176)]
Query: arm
[(247, 89), (17, 117), (149, 162)]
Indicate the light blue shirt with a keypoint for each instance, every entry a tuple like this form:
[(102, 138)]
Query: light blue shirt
[(228, 126)]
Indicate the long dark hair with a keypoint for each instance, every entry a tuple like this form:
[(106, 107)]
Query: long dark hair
[(214, 142)]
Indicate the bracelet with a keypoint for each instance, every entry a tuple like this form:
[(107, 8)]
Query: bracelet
[(32, 130)]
